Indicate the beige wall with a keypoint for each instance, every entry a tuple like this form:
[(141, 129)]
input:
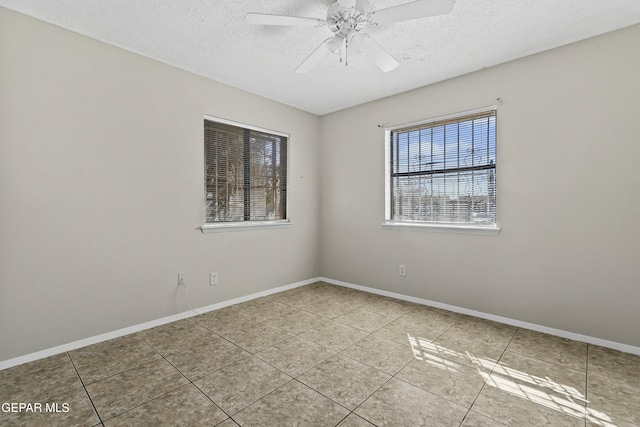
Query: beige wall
[(101, 187), (101, 192), (568, 182)]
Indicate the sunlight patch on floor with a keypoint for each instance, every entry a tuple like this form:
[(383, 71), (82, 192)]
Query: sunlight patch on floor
[(543, 391)]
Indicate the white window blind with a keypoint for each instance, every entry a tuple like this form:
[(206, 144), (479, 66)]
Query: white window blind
[(245, 173), (444, 171)]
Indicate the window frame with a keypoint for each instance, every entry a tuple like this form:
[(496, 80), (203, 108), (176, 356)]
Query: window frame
[(392, 224), (212, 227)]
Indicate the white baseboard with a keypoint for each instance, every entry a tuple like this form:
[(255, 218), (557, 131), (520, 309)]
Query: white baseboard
[(520, 324), (151, 324), (142, 326)]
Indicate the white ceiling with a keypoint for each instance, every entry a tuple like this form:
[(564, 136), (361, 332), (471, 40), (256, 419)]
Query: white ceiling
[(212, 39)]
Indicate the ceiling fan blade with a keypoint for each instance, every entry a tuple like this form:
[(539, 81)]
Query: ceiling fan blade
[(412, 10), (266, 19), (347, 3), (314, 58), (381, 57)]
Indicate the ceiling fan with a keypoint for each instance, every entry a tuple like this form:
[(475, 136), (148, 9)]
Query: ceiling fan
[(347, 19)]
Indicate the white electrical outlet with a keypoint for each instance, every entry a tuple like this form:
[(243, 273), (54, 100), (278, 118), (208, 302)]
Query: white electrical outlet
[(402, 270), (213, 279), (182, 279)]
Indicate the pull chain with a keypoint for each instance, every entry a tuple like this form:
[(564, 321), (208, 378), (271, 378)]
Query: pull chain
[(346, 52)]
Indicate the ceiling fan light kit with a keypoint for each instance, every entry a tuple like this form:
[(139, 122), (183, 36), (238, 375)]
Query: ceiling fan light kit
[(347, 19)]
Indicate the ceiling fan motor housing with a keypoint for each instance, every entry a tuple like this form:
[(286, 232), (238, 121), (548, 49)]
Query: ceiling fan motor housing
[(344, 20)]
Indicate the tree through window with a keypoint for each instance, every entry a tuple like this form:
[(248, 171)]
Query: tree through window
[(245, 173)]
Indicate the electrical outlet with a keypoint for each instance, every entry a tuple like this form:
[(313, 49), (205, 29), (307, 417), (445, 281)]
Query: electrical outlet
[(213, 279), (182, 279), (402, 270)]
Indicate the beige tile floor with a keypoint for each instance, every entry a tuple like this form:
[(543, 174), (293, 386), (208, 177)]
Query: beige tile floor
[(323, 355)]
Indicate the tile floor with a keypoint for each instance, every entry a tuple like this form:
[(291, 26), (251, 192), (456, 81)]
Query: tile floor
[(323, 355)]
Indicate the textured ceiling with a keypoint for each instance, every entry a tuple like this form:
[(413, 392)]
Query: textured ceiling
[(211, 38)]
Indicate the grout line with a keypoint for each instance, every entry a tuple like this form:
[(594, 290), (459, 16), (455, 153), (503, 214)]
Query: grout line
[(484, 384), (340, 352), (191, 382), (586, 385), (85, 389), (211, 400)]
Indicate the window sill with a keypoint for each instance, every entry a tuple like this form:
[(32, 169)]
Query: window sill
[(441, 228), (245, 226)]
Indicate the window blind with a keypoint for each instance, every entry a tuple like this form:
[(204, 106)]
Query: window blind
[(245, 174), (445, 171)]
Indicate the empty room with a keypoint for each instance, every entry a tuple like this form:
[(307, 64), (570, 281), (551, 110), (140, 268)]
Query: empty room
[(346, 213)]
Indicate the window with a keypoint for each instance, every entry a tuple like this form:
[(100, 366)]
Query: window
[(443, 171), (245, 174)]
